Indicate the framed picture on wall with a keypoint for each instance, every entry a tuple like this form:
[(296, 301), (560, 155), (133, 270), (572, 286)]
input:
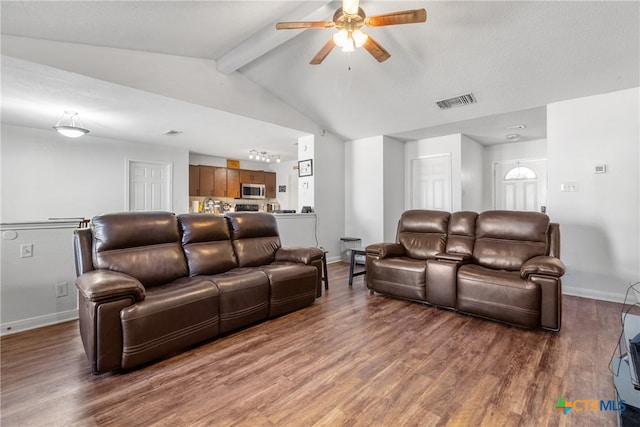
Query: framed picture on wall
[(305, 167)]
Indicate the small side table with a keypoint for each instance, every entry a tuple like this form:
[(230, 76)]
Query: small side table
[(355, 252), (325, 275)]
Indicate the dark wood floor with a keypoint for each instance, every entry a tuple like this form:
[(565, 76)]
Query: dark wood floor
[(350, 359)]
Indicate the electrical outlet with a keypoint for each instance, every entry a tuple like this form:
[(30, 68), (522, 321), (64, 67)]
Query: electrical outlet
[(26, 250), (62, 289)]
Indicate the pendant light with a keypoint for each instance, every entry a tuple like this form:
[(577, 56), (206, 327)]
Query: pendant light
[(69, 125)]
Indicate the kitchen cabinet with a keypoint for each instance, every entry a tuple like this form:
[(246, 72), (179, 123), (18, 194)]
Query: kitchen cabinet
[(219, 182), (270, 185), (194, 180), (233, 183), (251, 177), (206, 181)]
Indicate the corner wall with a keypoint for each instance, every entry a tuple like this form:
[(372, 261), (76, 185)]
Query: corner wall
[(599, 222)]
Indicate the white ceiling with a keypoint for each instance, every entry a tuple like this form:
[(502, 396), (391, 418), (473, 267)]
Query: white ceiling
[(516, 57)]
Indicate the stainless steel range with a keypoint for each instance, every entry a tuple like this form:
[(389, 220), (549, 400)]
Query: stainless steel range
[(246, 207)]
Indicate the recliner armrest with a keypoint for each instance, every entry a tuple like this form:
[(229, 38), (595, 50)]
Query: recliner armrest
[(543, 266), (98, 285), (447, 256), (298, 254), (385, 250)]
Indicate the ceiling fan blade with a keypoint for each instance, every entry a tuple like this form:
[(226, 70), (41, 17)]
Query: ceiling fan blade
[(377, 51), (326, 49), (396, 18), (303, 24)]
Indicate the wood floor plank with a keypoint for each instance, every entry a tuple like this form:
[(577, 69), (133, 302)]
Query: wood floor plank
[(350, 359)]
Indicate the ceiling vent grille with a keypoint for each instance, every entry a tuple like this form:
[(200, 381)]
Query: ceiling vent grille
[(456, 101)]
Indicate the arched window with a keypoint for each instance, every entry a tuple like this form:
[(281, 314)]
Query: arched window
[(519, 173)]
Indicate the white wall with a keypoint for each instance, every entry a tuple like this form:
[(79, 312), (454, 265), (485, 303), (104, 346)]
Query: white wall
[(599, 222), (329, 170), (393, 185), (471, 168), (46, 175), (364, 201), (525, 150)]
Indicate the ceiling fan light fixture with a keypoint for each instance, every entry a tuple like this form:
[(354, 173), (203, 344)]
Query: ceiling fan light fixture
[(69, 125), (350, 7), (341, 38), (359, 38), (349, 46)]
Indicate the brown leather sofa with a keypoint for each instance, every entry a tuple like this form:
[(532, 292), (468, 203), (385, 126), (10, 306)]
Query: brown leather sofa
[(153, 283), (500, 265)]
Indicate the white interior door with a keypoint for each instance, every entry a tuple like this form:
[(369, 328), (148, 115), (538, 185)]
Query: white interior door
[(431, 182), (520, 185), (149, 186)]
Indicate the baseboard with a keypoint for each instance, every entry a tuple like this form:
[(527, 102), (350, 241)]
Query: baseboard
[(593, 294), (334, 259), (38, 322)]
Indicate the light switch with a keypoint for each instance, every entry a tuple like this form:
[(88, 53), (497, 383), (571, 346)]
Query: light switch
[(569, 187)]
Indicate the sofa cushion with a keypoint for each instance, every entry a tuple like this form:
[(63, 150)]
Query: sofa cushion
[(244, 297), (462, 233), (206, 241), (144, 245), (171, 317), (402, 277), (498, 294), (505, 240), (423, 233), (255, 237), (293, 286)]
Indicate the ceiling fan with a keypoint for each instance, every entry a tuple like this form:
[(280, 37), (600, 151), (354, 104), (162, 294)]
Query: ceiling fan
[(348, 20)]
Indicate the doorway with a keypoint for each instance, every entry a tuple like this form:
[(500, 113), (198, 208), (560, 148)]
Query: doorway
[(520, 185), (148, 186)]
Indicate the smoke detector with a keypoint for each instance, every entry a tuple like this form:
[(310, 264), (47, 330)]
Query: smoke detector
[(456, 101)]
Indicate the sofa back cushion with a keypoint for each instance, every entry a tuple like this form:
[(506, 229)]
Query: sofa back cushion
[(255, 237), (144, 245), (462, 233), (506, 239), (206, 241), (423, 233)]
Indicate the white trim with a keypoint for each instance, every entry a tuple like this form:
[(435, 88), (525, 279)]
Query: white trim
[(127, 168), (38, 322)]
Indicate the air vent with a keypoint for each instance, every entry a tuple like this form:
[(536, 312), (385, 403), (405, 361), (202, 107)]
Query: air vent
[(456, 101)]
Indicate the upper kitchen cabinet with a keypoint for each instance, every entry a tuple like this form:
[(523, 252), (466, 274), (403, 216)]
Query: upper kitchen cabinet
[(219, 182), (207, 181), (233, 183), (251, 177), (194, 180), (270, 185)]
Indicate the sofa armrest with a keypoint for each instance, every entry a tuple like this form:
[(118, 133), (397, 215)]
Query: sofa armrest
[(385, 250), (542, 266), (448, 256), (300, 255), (102, 285)]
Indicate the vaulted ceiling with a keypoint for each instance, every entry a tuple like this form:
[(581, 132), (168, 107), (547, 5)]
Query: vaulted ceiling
[(516, 57)]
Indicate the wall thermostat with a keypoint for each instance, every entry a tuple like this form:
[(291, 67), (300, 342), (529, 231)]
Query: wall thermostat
[(601, 168)]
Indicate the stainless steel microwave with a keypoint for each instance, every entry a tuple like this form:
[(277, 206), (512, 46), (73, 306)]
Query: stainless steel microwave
[(252, 191)]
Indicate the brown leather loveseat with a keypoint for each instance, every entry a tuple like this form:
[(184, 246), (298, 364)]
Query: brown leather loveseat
[(153, 283), (501, 265)]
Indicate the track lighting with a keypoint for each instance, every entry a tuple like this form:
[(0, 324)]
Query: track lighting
[(264, 156)]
